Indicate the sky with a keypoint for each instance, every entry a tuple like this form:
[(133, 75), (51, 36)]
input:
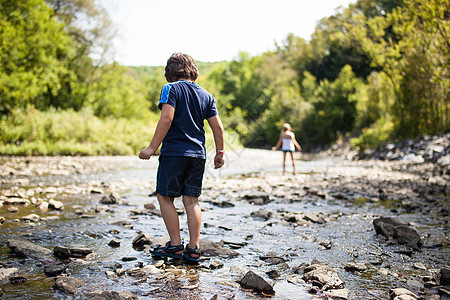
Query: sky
[(149, 31)]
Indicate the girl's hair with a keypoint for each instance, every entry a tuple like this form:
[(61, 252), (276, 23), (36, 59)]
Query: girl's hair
[(181, 66), (286, 127)]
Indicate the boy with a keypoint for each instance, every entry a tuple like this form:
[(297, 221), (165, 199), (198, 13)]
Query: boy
[(184, 106)]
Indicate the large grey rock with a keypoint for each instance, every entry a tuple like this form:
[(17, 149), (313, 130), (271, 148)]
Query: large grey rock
[(262, 214), (210, 248), (6, 273), (323, 276), (54, 269), (398, 231), (257, 198), (24, 248), (255, 282), (141, 240), (340, 294), (68, 285), (78, 251), (402, 294)]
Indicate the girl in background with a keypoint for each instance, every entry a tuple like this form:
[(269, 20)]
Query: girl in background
[(288, 144)]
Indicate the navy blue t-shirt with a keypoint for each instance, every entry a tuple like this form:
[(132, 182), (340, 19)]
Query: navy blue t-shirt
[(193, 104)]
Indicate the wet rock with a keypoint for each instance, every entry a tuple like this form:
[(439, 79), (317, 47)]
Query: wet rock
[(215, 297), (355, 267), (405, 250), (257, 198), (444, 161), (272, 259), (255, 282), (102, 209), (215, 265), (6, 273), (237, 271), (340, 294), (222, 204), (57, 205), (129, 258), (294, 279), (323, 276), (419, 266), (262, 214), (17, 279), (398, 231), (61, 252), (113, 198), (54, 269), (68, 285), (326, 244), (273, 274), (151, 269), (415, 285), (16, 201), (32, 218), (210, 248), (111, 295), (141, 240), (43, 206), (2, 220), (111, 274), (315, 218), (444, 278), (114, 243), (96, 191), (137, 272), (24, 248), (124, 223), (402, 294), (79, 251), (233, 245), (149, 206)]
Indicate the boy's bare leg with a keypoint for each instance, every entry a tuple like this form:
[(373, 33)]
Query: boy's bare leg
[(170, 217), (194, 220), (293, 162), (284, 162)]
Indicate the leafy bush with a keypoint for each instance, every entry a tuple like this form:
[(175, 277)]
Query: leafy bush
[(66, 132), (61, 132), (379, 133)]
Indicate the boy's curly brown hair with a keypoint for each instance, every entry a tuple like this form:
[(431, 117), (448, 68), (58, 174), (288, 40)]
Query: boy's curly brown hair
[(181, 66)]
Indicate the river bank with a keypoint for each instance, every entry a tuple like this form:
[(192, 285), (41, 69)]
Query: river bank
[(281, 228)]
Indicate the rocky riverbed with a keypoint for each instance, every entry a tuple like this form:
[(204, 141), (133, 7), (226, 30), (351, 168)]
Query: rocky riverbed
[(82, 227)]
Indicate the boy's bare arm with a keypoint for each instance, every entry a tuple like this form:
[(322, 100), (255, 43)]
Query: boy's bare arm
[(165, 120), (217, 128)]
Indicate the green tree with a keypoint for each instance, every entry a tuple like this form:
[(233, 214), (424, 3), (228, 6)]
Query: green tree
[(334, 106), (33, 50)]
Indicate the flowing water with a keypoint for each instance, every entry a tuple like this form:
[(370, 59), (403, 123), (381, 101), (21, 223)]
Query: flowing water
[(339, 189)]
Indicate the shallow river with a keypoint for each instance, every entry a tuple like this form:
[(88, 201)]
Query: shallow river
[(346, 193)]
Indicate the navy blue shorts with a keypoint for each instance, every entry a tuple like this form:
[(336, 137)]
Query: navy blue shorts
[(180, 175)]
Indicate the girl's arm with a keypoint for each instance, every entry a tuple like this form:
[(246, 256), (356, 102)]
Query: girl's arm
[(278, 144), (165, 120), (299, 148)]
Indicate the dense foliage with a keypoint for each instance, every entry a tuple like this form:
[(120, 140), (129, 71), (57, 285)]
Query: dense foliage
[(375, 71)]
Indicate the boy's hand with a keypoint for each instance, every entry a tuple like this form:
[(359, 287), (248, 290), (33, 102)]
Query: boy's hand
[(146, 153), (218, 161)]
